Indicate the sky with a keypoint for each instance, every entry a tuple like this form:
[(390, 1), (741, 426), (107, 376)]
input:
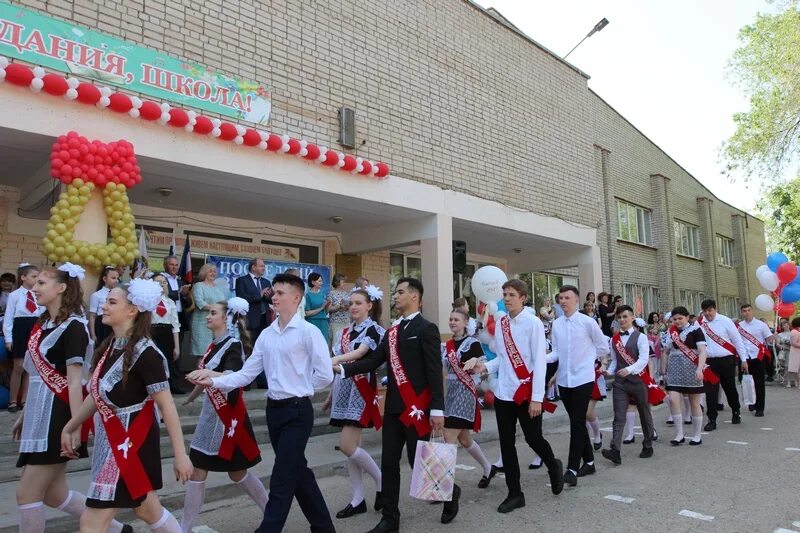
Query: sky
[(661, 65)]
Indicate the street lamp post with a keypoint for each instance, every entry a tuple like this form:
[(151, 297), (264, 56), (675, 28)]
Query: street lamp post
[(597, 27)]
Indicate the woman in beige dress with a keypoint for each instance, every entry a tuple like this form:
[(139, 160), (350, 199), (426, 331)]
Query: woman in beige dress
[(793, 364)]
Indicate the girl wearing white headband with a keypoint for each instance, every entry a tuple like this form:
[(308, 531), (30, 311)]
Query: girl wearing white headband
[(129, 378)]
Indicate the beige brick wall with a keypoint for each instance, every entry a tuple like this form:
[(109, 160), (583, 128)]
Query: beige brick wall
[(375, 266), (15, 248)]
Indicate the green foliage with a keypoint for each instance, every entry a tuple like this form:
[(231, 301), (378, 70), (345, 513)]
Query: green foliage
[(780, 209), (767, 68)]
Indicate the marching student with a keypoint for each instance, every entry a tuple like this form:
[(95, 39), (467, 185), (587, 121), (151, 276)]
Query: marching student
[(683, 363), (598, 395), (724, 349), (223, 440), (577, 342), (462, 411), (22, 310), (129, 379), (165, 331), (352, 401), (630, 352), (520, 346), (54, 363), (293, 355), (756, 335), (109, 279)]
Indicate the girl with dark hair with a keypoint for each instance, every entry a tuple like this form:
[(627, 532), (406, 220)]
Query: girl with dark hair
[(56, 351), (22, 310), (108, 280), (316, 305), (224, 440), (129, 380), (352, 400), (607, 311), (165, 330)]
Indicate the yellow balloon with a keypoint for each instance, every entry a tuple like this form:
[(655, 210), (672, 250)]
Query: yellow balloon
[(52, 234), (74, 200), (83, 250), (75, 258), (67, 235), (49, 247), (63, 259), (59, 241), (59, 250), (56, 219), (115, 195), (61, 228), (69, 223), (70, 249), (78, 182), (62, 204), (117, 205), (72, 191), (52, 257), (116, 259), (91, 260), (54, 210)]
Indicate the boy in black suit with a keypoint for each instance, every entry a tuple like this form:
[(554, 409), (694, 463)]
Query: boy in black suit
[(414, 396)]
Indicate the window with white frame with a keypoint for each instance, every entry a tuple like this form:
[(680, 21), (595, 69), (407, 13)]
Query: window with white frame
[(691, 300), (725, 251), (402, 265), (729, 306), (642, 298), (634, 223), (687, 239)]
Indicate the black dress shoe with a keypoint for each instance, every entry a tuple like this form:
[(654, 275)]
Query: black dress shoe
[(496, 470), (759, 414), (646, 453), (655, 435), (556, 472), (586, 470), (484, 482), (720, 407), (534, 466), (751, 407), (676, 442), (711, 426), (670, 422), (378, 500), (695, 442), (613, 456), (349, 511), (451, 508), (511, 503), (384, 526), (570, 478), (127, 528), (737, 418), (687, 422), (629, 441), (598, 445)]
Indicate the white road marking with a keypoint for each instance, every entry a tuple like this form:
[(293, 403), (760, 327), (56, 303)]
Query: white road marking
[(766, 429), (606, 429), (793, 450), (697, 516), (796, 524), (203, 529), (465, 467), (727, 421), (621, 499), (740, 443), (784, 530)]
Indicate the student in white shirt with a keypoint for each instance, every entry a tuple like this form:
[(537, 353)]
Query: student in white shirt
[(753, 329), (294, 356), (577, 341), (108, 280), (22, 310)]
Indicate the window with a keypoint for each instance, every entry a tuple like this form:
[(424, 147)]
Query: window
[(687, 239), (729, 306), (402, 265), (634, 223), (691, 300), (547, 286), (725, 251), (643, 298)]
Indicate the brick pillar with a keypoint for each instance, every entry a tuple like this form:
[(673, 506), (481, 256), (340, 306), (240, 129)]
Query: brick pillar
[(663, 240), (743, 267), (707, 246), (611, 215)]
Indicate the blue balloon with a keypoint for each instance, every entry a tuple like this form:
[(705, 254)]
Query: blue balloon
[(501, 305), (791, 293), (3, 397), (776, 259)]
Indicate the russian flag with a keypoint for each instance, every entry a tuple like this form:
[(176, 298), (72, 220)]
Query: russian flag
[(185, 269)]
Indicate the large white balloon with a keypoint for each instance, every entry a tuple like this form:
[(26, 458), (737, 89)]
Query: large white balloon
[(764, 302), (762, 268), (487, 283), (769, 280)]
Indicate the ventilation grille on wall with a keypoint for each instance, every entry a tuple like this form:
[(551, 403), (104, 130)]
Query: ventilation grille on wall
[(347, 127)]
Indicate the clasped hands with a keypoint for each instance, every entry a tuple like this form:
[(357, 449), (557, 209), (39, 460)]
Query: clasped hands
[(202, 377)]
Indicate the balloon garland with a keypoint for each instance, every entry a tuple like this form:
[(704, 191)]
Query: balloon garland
[(83, 165)]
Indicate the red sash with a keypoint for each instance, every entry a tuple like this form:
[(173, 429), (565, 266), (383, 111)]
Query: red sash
[(714, 337), (414, 413), (655, 395), (708, 374), (762, 349), (235, 434), (122, 441), (597, 394), (55, 381), (525, 389), (465, 378), (371, 410)]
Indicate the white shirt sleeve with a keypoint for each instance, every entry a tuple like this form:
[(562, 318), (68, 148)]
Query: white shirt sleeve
[(736, 340), (612, 366), (539, 354), (253, 366), (173, 314), (8, 320), (94, 302), (552, 357), (599, 340), (321, 369), (644, 355)]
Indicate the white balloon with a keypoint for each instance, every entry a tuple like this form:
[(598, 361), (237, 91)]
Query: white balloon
[(764, 302), (769, 280), (761, 269), (487, 283)]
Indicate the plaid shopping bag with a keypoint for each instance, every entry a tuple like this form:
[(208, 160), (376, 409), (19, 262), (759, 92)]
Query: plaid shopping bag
[(434, 471)]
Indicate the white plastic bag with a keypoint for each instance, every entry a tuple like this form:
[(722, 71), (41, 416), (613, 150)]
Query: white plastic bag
[(434, 471), (748, 390)]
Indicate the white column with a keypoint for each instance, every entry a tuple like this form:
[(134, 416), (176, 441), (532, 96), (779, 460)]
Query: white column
[(437, 271), (590, 274)]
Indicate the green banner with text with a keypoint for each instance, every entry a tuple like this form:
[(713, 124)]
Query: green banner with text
[(41, 40)]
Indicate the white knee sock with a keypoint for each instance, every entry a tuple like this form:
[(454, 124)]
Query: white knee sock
[(76, 503), (678, 427), (477, 454), (499, 462), (367, 464), (595, 426), (192, 503), (31, 517), (255, 489), (687, 408), (630, 418), (536, 460), (166, 524), (697, 422), (356, 481)]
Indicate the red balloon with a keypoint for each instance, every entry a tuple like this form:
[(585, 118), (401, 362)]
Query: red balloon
[(294, 146), (367, 167), (251, 137), (274, 143), (227, 131), (350, 163), (19, 74), (178, 118), (787, 272), (120, 103), (313, 151), (488, 398), (490, 325), (383, 170), (785, 310), (331, 158), (54, 84), (203, 125), (150, 111), (88, 93)]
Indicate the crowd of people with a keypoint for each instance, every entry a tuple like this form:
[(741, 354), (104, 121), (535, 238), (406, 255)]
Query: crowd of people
[(295, 338)]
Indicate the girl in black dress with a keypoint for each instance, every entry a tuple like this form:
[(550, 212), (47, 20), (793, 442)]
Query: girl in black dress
[(226, 320), (129, 378), (54, 364), (347, 403)]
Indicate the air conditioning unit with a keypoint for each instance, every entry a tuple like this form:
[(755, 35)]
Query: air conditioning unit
[(347, 127)]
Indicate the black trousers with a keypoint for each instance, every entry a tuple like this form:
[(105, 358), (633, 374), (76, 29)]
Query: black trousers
[(508, 413), (756, 369), (725, 368), (289, 428), (395, 436), (622, 391), (576, 402)]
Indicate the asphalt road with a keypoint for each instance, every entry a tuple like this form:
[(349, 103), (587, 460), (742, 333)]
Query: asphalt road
[(741, 479)]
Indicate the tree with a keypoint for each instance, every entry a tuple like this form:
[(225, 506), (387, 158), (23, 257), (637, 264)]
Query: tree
[(767, 68), (780, 209)]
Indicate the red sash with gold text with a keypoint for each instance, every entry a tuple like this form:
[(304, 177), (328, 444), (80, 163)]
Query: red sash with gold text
[(464, 377), (235, 434), (414, 413), (708, 374), (525, 389), (714, 337), (371, 410), (655, 395), (762, 349)]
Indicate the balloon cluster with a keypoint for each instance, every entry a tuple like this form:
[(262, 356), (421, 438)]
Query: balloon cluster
[(84, 166), (779, 277)]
